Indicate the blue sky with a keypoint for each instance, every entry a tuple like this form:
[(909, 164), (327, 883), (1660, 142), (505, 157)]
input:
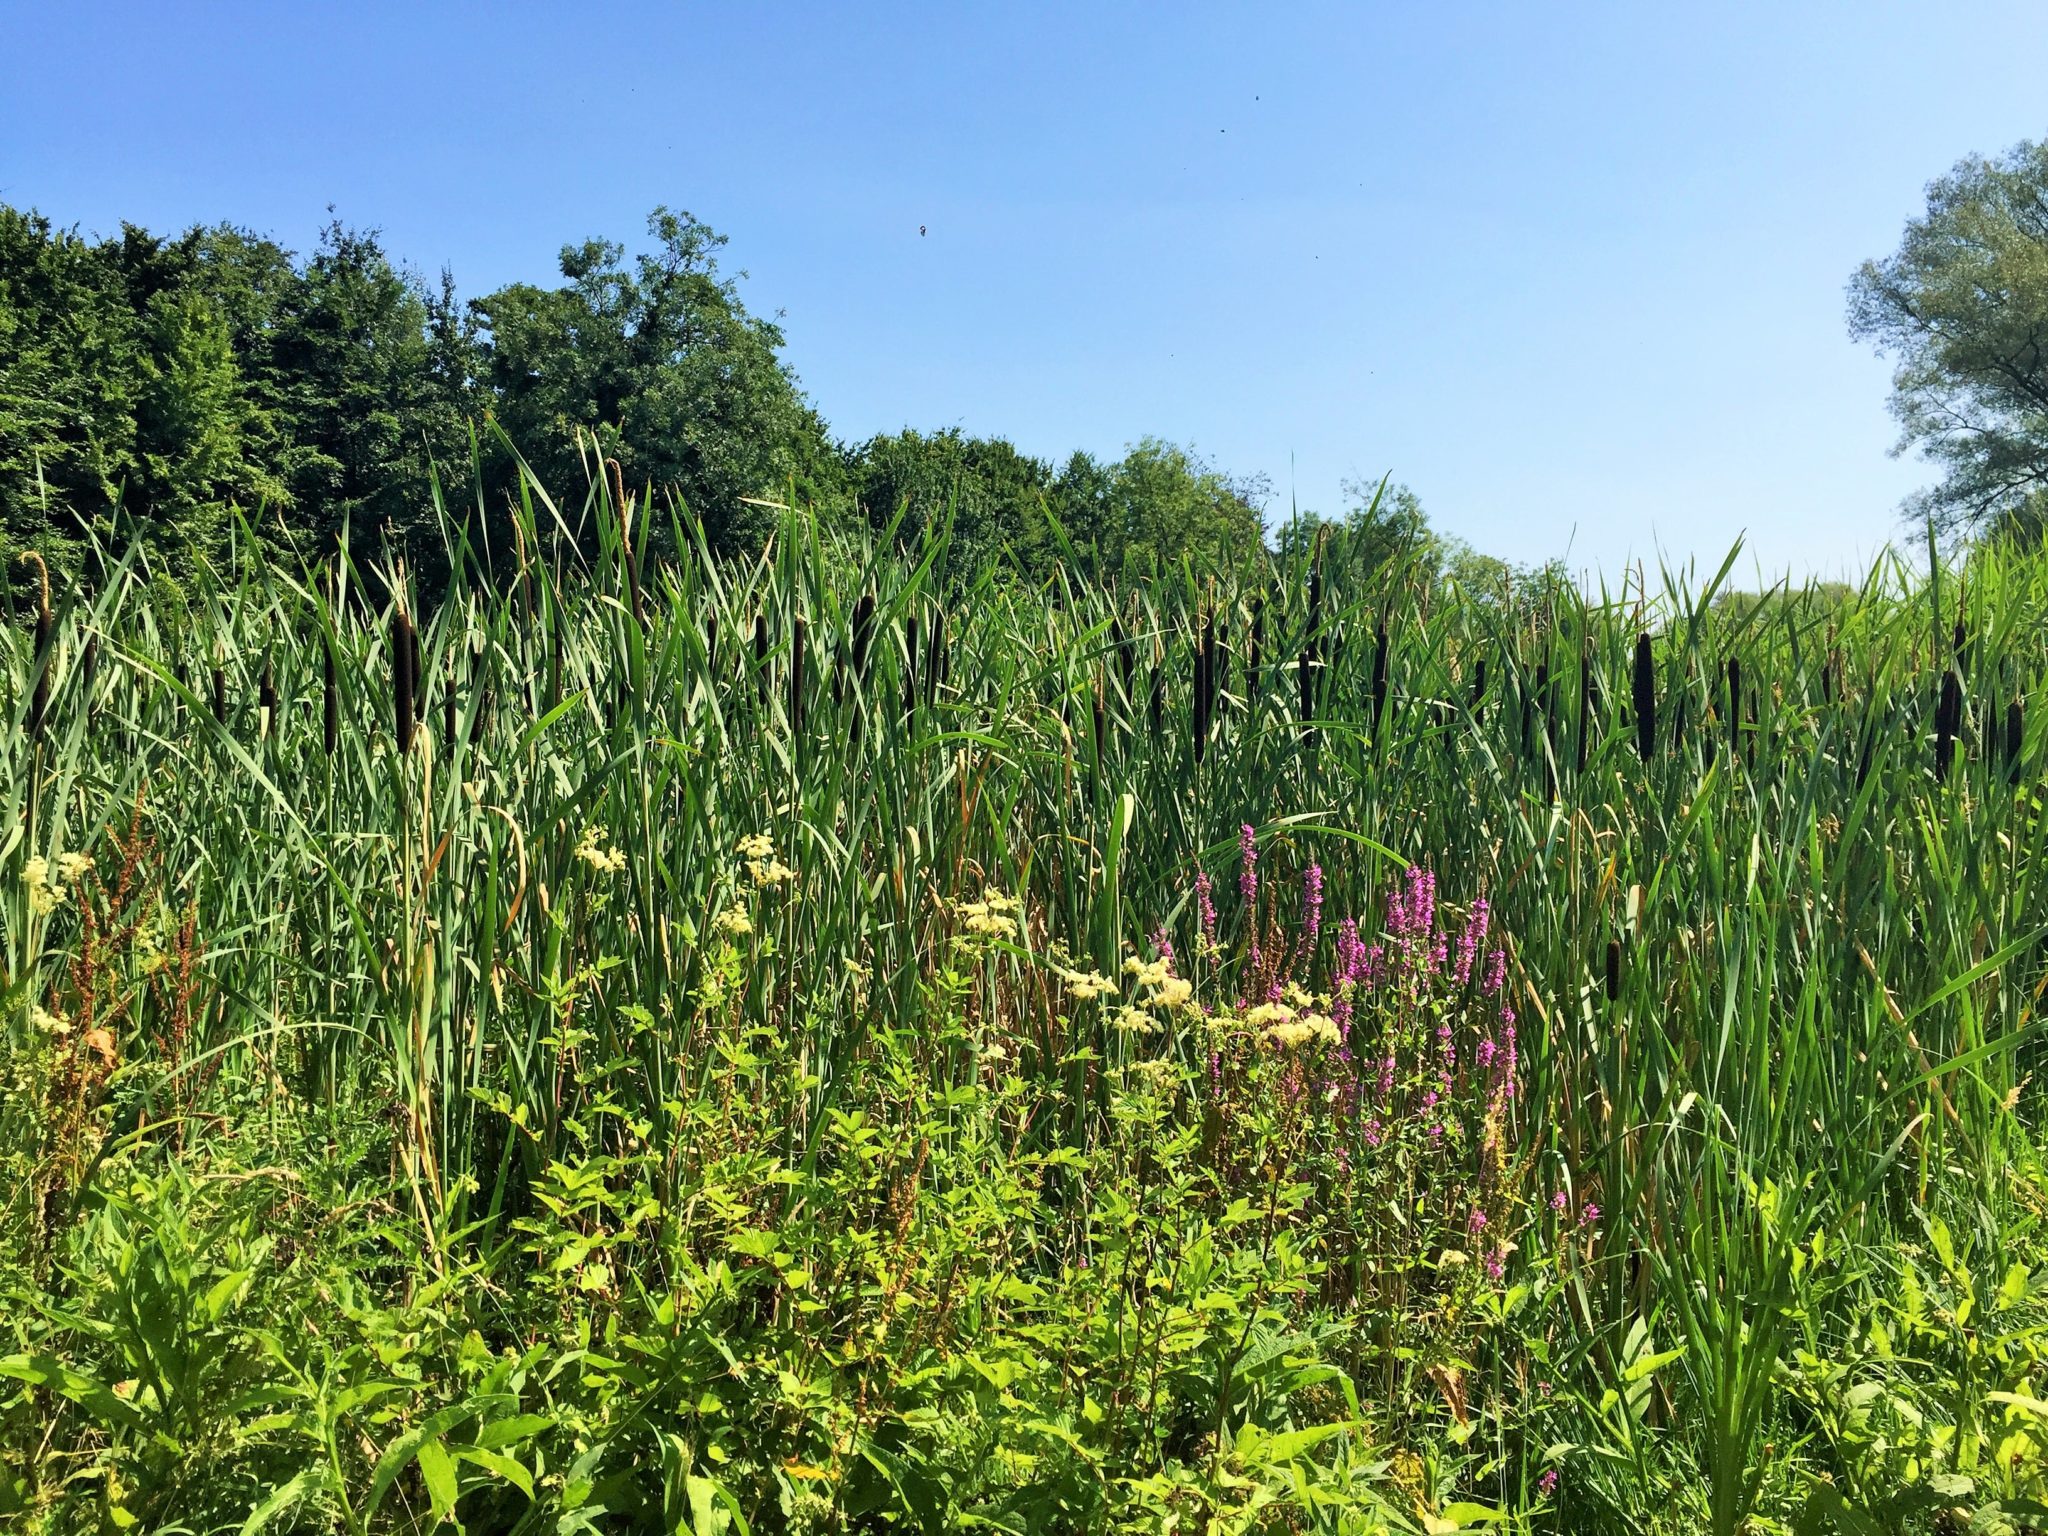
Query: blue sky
[(1572, 271)]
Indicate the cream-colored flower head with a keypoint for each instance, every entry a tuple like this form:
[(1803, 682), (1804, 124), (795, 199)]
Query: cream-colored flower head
[(1087, 986), (591, 850), (44, 894)]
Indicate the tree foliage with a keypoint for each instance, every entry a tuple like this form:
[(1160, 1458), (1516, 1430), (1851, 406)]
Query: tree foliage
[(1962, 305), (166, 384)]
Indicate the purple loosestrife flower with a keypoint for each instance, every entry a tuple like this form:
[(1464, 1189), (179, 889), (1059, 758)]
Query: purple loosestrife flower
[(1487, 1051), (1589, 1215), (1248, 866), (1162, 946), (1311, 906), (1547, 1483), (1374, 1132), (1559, 1203), (1496, 970), (1496, 1265), (1387, 1076), (1476, 1222), (1469, 940), (1205, 905)]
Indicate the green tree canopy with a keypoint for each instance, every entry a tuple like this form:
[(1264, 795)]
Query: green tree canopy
[(1962, 305), (658, 364)]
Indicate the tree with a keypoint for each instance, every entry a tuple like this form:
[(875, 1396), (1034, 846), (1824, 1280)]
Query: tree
[(1382, 523), (1963, 306), (660, 364), (993, 492), (1166, 504)]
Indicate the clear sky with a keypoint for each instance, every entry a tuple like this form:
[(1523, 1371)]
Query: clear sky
[(1573, 271)]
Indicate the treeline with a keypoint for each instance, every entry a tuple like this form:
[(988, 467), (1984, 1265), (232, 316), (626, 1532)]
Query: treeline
[(160, 385)]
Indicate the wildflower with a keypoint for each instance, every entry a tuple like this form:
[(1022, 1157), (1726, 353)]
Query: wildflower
[(1087, 986), (590, 849), (1470, 939), (1311, 906), (734, 922), (1559, 1203), (1496, 1264), (1486, 1052), (44, 894), (1134, 1021), (1248, 868), (990, 917), (1589, 1215), (1547, 1483), (762, 865), (1476, 1222), (1162, 944), (71, 866), (1496, 971), (1374, 1133), (48, 1022), (1205, 906)]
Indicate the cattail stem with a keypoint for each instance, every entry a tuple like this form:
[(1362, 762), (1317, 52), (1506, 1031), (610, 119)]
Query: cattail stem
[(1644, 698)]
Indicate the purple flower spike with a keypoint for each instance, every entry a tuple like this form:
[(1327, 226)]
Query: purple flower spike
[(1248, 869)]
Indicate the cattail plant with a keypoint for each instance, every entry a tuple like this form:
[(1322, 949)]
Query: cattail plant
[(910, 665), (1948, 719), (1255, 661), (936, 663), (796, 677), (1644, 698), (330, 702), (448, 710), (39, 696), (220, 693), (1589, 701), (1613, 970), (1157, 705), (863, 635), (88, 668), (1205, 678), (1379, 681), (761, 656), (266, 701), (404, 659), (1734, 706)]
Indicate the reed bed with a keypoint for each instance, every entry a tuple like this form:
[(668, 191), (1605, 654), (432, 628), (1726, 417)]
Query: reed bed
[(1768, 867)]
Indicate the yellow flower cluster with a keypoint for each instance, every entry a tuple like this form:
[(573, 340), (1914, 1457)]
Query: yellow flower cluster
[(1286, 1026), (591, 850), (734, 922), (47, 889), (992, 916), (1134, 1021), (1162, 988), (762, 865), (1087, 986)]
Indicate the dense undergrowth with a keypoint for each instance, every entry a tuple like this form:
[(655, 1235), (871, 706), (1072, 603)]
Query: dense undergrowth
[(840, 1044)]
